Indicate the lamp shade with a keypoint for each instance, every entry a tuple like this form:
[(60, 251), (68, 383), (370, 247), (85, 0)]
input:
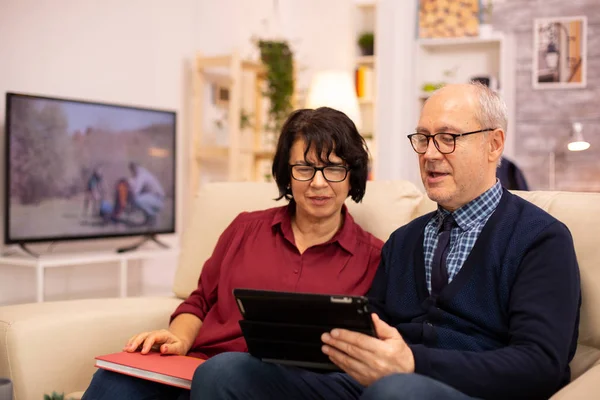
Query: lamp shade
[(335, 89), (577, 141)]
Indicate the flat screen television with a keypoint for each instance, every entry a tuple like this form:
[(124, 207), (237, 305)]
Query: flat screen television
[(86, 170)]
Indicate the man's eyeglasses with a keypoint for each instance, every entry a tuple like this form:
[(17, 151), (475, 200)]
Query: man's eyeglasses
[(331, 173), (444, 142)]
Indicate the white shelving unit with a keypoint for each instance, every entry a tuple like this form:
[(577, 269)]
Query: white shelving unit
[(365, 21), (466, 58), (41, 263)]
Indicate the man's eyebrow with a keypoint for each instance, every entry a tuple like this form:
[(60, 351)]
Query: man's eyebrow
[(448, 128), (441, 129)]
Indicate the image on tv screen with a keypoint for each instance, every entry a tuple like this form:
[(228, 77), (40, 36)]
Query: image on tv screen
[(86, 170)]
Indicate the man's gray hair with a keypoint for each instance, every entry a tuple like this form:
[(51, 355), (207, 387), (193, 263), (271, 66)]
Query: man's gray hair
[(492, 112)]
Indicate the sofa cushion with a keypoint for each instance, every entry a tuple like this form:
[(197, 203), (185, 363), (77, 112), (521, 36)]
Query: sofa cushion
[(581, 213), (585, 358), (64, 337)]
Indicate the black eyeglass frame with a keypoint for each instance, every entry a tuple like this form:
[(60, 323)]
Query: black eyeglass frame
[(315, 169), (435, 143)]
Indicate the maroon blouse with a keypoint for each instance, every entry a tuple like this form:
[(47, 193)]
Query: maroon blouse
[(258, 251)]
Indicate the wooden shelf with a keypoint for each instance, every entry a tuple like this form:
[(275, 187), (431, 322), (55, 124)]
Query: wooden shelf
[(365, 3), (228, 87), (265, 154), (219, 79), (257, 67), (212, 61), (365, 60), (212, 153)]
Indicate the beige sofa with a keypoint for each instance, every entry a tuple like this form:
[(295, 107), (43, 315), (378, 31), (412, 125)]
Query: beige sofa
[(51, 346)]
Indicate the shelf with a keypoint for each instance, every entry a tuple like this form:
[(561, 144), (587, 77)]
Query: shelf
[(266, 154), (365, 20), (460, 41), (366, 60), (55, 260), (254, 66), (211, 62), (69, 259), (219, 79), (212, 153), (365, 3)]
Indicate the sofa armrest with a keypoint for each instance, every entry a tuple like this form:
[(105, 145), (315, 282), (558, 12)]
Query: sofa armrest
[(587, 386), (48, 347)]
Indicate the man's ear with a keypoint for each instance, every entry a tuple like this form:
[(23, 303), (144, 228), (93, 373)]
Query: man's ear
[(496, 144)]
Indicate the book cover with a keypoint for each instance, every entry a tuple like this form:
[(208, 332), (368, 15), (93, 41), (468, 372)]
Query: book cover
[(168, 369)]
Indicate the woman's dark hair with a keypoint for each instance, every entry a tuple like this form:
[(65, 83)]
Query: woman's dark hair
[(327, 131)]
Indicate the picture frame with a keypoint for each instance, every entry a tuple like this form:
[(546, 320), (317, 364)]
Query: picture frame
[(559, 53)]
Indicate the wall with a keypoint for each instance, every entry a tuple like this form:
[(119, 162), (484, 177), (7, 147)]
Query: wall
[(543, 115), (139, 52), (396, 113)]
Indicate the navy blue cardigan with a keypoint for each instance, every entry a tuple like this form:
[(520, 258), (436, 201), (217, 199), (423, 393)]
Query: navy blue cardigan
[(506, 327)]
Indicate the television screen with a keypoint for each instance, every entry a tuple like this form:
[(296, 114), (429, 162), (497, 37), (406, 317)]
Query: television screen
[(77, 170)]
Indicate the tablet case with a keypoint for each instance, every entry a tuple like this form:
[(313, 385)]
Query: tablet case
[(286, 328)]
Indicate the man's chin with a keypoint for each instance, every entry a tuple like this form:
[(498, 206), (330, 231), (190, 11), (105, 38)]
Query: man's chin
[(438, 195)]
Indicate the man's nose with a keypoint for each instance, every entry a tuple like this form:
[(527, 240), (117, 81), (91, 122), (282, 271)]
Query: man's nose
[(432, 151)]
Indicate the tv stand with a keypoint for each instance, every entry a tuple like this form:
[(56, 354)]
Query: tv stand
[(144, 240), (23, 246), (56, 260)]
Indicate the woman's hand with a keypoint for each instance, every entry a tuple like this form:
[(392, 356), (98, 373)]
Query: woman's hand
[(163, 340)]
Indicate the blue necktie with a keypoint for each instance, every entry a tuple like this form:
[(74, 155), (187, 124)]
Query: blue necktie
[(439, 272)]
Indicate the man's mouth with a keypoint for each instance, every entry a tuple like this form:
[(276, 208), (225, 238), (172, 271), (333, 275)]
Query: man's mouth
[(435, 174)]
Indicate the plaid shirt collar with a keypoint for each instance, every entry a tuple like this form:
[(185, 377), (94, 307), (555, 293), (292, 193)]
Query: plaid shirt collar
[(475, 211)]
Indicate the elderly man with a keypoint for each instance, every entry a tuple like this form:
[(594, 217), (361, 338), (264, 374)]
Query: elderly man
[(479, 299)]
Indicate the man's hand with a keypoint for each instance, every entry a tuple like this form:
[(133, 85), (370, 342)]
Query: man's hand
[(168, 342), (366, 358)]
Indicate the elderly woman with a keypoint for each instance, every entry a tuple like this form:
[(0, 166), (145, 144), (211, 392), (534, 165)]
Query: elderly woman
[(312, 244)]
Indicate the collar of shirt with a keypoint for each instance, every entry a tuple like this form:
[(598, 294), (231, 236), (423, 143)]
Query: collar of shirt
[(344, 236), (475, 211)]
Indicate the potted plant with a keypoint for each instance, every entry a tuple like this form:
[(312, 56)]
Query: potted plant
[(366, 42), (278, 59)]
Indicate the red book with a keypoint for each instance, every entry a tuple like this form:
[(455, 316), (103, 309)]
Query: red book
[(168, 369)]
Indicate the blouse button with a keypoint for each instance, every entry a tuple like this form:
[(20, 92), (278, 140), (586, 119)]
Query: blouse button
[(295, 271)]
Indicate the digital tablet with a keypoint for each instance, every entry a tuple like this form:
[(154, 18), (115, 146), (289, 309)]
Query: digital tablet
[(286, 328)]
